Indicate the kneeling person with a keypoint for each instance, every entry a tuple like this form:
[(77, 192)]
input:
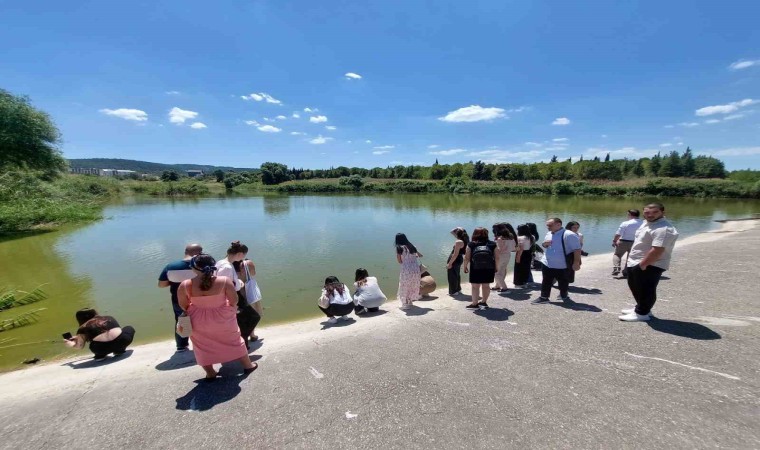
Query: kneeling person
[(368, 296), (335, 300)]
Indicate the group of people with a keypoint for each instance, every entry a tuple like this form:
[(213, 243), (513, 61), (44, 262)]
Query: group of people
[(223, 301)]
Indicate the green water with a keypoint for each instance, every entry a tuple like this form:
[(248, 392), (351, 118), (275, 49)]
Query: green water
[(296, 241)]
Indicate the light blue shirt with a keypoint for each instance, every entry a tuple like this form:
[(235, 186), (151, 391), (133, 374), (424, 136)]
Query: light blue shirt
[(553, 257)]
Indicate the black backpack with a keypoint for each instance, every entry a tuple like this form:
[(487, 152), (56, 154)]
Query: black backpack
[(482, 258)]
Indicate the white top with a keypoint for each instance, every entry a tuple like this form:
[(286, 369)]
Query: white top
[(369, 295), (523, 242), (505, 247), (336, 298), (225, 268), (627, 229), (659, 233), (252, 291)]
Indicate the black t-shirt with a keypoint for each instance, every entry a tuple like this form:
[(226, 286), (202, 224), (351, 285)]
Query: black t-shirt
[(183, 264), (97, 325)]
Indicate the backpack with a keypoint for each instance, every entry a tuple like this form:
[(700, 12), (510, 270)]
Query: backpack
[(482, 258)]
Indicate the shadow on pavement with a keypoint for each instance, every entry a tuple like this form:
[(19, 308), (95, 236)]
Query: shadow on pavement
[(582, 290), (177, 361), (205, 395), (517, 295), (427, 298), (495, 314), (373, 314), (417, 311), (575, 306), (462, 297), (689, 330), (339, 323), (90, 363)]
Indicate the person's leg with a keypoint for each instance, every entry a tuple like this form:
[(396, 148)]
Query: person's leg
[(485, 290), (501, 275), (563, 281), (210, 372), (258, 308), (617, 256), (375, 309), (328, 312), (474, 292), (547, 282), (121, 343), (453, 277), (634, 283), (182, 343), (100, 349), (247, 364), (255, 319), (649, 279)]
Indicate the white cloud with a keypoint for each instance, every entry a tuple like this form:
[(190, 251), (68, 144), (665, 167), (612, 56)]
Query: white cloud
[(733, 117), (317, 119), (295, 115), (380, 152), (367, 141), (680, 143), (198, 125), (669, 126), (308, 110), (281, 118), (665, 145), (252, 123), (724, 109), (533, 144), (297, 133), (556, 148), (262, 96), (711, 121), (433, 146), (473, 113), (127, 114), (736, 151), (331, 128), (505, 156), (179, 116), (604, 135), (320, 140), (561, 121), (384, 147), (560, 139), (689, 124), (743, 64), (450, 152), (517, 110), (353, 76), (268, 129), (267, 119), (172, 92), (625, 152)]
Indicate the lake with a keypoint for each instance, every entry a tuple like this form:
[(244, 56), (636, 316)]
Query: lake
[(296, 241)]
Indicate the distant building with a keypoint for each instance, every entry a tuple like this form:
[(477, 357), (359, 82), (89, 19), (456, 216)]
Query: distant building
[(194, 173), (115, 172), (84, 171)]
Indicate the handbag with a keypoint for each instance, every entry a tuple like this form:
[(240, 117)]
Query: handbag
[(423, 268), (184, 326)]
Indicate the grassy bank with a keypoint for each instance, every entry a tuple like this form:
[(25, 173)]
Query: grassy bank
[(665, 187)]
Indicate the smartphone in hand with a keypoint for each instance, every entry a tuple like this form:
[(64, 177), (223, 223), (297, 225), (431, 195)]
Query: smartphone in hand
[(66, 335)]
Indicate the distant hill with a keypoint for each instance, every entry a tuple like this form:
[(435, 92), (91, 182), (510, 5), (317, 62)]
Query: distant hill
[(148, 167)]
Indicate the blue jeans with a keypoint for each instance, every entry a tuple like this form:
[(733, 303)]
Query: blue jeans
[(181, 342)]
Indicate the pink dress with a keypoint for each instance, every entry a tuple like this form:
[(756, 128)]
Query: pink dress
[(409, 279), (216, 336)]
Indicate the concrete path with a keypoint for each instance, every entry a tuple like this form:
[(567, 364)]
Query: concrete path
[(439, 376)]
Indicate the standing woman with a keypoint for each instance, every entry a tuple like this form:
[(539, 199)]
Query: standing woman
[(533, 232), (574, 227), (409, 279), (211, 303), (482, 253), (247, 317), (456, 258), (523, 259), (246, 272), (506, 242)]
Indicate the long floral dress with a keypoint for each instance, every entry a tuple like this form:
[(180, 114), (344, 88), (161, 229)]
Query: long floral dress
[(409, 280)]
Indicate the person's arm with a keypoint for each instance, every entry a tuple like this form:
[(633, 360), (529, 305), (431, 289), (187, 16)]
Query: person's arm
[(519, 250), (454, 254), (163, 284), (251, 267), (496, 260), (163, 278), (577, 260), (230, 292), (75, 342), (398, 257), (661, 238), (467, 256), (652, 255), (183, 296)]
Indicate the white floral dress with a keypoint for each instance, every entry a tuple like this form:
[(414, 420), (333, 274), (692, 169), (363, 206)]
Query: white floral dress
[(409, 280)]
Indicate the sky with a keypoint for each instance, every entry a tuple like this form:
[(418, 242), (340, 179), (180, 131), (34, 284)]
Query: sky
[(383, 82)]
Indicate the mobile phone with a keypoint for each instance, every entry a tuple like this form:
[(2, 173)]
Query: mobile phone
[(66, 335)]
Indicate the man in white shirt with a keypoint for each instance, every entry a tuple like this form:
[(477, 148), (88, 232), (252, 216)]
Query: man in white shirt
[(562, 253), (623, 240), (649, 258)]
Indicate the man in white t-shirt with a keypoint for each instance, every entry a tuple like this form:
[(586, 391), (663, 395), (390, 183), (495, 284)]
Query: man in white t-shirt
[(649, 258), (623, 240)]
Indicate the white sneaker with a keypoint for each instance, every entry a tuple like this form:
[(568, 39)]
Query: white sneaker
[(332, 320), (405, 307), (633, 317), (343, 318), (628, 310)]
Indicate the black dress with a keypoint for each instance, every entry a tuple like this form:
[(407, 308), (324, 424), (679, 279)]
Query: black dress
[(482, 273)]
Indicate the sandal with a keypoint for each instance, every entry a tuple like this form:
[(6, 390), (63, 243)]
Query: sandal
[(250, 371)]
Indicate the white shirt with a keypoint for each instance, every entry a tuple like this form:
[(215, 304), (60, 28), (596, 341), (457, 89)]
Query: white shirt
[(627, 229), (369, 295), (225, 268), (659, 233), (553, 256)]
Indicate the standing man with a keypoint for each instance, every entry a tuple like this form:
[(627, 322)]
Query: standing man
[(563, 253), (171, 277), (649, 258), (624, 239)]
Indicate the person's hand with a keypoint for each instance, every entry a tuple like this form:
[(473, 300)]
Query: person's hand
[(466, 270), (643, 266), (70, 342), (546, 244), (614, 244), (576, 266), (449, 266)]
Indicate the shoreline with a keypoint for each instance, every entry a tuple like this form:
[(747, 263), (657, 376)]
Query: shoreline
[(278, 337)]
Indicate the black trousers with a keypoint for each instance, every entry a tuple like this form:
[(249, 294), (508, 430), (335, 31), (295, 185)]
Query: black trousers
[(337, 310), (117, 346), (522, 273), (247, 319), (550, 275), (455, 277), (643, 285), (358, 308)]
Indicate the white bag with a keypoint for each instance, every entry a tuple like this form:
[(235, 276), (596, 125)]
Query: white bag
[(184, 326)]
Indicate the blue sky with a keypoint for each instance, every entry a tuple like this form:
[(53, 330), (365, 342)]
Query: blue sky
[(395, 81)]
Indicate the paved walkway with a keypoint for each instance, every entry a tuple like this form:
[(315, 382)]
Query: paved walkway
[(516, 376)]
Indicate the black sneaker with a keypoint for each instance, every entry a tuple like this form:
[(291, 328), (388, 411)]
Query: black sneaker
[(540, 300), (471, 306)]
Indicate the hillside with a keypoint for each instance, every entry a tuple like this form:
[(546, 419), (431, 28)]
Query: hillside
[(147, 167)]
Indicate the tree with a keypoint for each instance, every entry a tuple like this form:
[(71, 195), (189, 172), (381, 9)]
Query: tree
[(274, 173), (219, 174), (671, 166), (687, 163), (169, 175), (554, 158), (607, 158), (355, 181), (654, 164), (28, 137)]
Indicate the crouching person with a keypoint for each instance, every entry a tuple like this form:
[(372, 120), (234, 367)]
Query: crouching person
[(102, 332), (335, 300), (368, 296)]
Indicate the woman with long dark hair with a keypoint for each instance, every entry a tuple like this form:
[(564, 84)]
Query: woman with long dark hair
[(534, 263), (335, 300), (102, 332), (456, 258), (247, 317), (481, 252), (523, 257), (211, 302), (409, 279)]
